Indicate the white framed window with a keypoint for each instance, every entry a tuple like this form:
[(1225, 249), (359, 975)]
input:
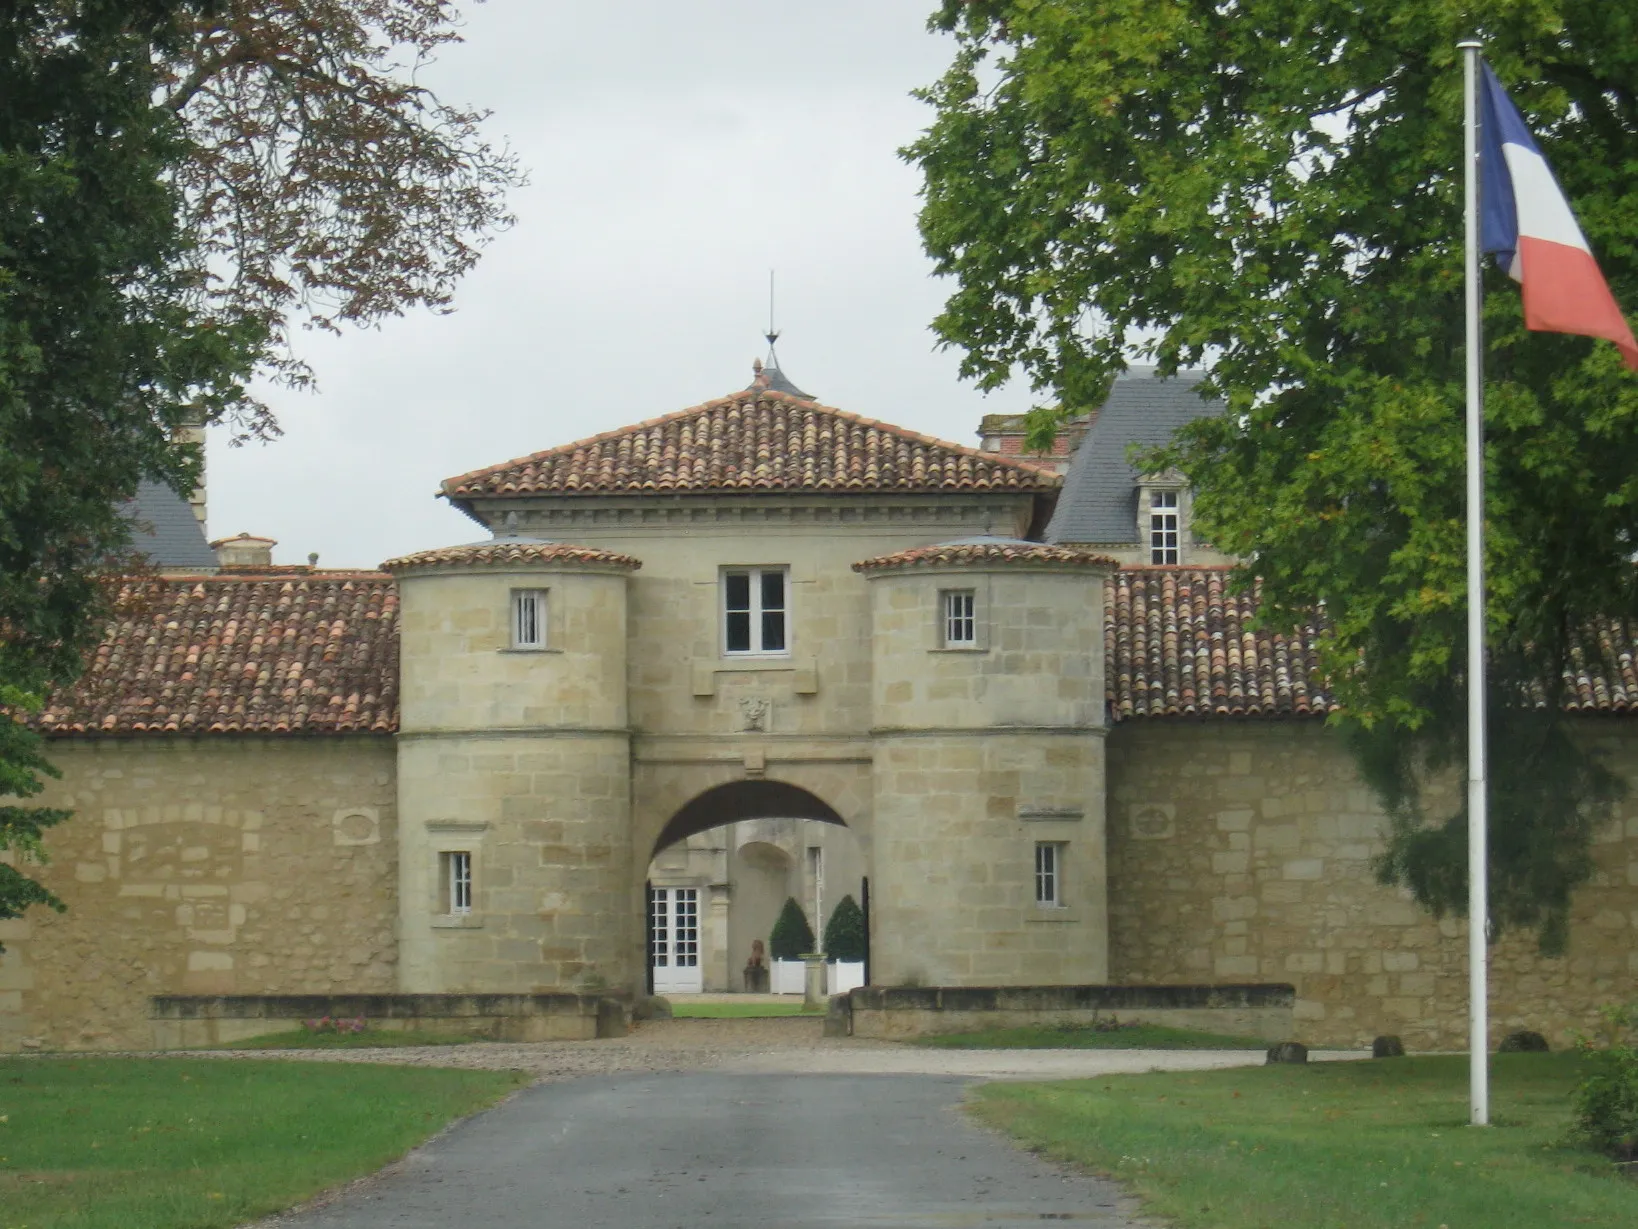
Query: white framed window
[(1164, 529), (755, 610), (960, 619), (528, 618), (1049, 874), (455, 882)]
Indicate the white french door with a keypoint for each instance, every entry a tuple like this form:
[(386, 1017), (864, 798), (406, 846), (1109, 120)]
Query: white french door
[(674, 940)]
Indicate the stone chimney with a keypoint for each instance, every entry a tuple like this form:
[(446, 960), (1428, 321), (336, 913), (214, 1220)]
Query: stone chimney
[(192, 431), (244, 551)]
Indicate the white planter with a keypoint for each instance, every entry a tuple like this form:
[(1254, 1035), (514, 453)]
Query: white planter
[(846, 975), (786, 976)]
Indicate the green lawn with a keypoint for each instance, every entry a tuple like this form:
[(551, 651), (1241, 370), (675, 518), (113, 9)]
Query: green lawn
[(1356, 1145), (739, 1011), (111, 1143), (369, 1039), (1087, 1037)]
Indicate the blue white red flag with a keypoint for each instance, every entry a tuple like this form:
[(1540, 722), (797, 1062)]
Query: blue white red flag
[(1527, 224)]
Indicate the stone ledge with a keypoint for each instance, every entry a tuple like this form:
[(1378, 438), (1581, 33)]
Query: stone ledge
[(1265, 1011), (182, 1021)]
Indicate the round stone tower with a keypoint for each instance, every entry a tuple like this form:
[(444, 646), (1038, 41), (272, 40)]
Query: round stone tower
[(988, 716), (513, 769)]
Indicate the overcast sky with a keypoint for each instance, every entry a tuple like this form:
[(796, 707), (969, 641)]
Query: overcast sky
[(677, 152)]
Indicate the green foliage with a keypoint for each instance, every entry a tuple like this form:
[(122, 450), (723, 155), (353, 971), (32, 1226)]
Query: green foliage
[(792, 937), (101, 356), (1275, 190), (1606, 1100), (845, 937)]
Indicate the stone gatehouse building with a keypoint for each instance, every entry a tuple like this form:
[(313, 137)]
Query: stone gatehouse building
[(728, 655)]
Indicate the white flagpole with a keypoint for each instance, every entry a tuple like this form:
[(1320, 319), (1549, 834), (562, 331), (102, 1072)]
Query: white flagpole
[(1477, 862)]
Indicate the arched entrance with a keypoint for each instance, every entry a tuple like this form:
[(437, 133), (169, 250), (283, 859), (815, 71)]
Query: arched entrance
[(723, 866)]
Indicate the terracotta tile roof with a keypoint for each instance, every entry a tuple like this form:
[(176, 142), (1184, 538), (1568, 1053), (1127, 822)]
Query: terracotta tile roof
[(946, 554), (1604, 679), (267, 654), (755, 441), (504, 552), (1177, 644)]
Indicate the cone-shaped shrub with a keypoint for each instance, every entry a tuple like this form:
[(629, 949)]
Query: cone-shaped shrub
[(792, 937), (845, 932)]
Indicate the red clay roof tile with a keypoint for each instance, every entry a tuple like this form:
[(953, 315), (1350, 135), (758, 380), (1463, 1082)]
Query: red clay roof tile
[(755, 441), (504, 552)]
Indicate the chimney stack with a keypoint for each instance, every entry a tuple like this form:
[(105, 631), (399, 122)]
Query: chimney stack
[(244, 551), (192, 431)]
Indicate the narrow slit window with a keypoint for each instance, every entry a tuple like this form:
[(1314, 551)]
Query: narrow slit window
[(456, 882), (960, 621), (528, 618), (1163, 527), (754, 611), (1049, 877)]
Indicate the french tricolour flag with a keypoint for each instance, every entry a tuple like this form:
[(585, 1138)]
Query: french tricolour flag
[(1527, 223)]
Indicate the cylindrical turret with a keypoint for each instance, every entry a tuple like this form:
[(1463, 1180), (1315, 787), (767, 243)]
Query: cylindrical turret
[(513, 768), (988, 722)]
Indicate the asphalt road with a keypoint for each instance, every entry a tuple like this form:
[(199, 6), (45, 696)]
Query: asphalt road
[(689, 1151)]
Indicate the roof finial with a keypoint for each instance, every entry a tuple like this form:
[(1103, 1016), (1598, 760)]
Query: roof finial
[(772, 334)]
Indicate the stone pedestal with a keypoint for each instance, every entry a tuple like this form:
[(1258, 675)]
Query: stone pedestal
[(813, 981)]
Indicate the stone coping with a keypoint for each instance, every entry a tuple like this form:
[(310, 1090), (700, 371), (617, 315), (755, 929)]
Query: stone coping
[(1073, 998), (370, 1006)]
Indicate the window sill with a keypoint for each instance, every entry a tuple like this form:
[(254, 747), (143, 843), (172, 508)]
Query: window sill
[(450, 921), (545, 648), (767, 661), (959, 648), (1053, 913)]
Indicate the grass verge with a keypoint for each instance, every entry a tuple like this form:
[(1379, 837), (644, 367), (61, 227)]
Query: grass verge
[(110, 1143), (370, 1039), (1362, 1145), (739, 1011), (1089, 1037)]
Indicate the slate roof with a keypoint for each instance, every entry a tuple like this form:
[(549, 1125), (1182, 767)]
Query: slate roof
[(250, 654), (1099, 500), (504, 551), (987, 552), (754, 441), (165, 530)]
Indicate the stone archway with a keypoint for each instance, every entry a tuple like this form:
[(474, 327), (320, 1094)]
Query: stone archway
[(721, 867)]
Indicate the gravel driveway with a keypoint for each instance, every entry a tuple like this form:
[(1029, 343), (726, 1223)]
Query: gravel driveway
[(790, 1045)]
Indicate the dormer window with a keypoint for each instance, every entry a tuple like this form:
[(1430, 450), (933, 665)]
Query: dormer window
[(1165, 527)]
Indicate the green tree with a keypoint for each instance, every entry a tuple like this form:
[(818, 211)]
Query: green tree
[(845, 932), (101, 354), (1274, 190), (792, 937), (181, 182)]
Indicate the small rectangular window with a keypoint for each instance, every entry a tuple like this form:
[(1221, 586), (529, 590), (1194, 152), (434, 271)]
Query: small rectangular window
[(1163, 527), (1049, 877), (960, 622), (455, 882), (528, 618), (754, 611)]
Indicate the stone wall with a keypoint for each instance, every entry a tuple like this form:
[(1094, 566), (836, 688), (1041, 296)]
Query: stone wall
[(258, 865), (1262, 1012), (1241, 851)]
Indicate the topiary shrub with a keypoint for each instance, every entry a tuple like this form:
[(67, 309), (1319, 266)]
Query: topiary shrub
[(845, 932), (1606, 1101), (792, 937)]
